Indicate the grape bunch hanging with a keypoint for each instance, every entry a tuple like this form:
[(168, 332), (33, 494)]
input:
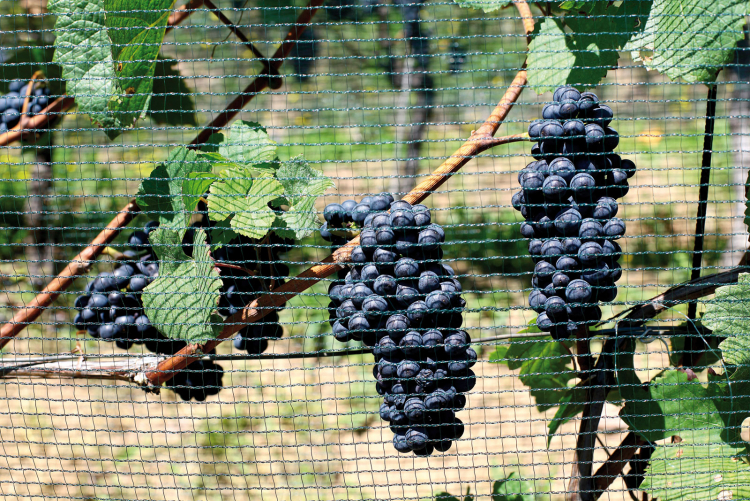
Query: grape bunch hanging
[(568, 199), (111, 308), (11, 104), (401, 300)]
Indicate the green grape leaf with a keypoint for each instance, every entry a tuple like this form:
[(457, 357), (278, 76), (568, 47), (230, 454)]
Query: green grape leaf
[(673, 404), (485, 5), (136, 29), (244, 197), (513, 489), (83, 52), (571, 404), (582, 56), (728, 315), (545, 367), (181, 301), (690, 39), (160, 195), (687, 471), (195, 187), (171, 102), (302, 187), (244, 143)]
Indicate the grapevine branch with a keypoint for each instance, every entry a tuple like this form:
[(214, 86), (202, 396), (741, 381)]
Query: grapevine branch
[(613, 466), (700, 217), (125, 369), (480, 140), (237, 32)]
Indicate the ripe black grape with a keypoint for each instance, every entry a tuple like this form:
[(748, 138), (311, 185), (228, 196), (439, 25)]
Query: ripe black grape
[(407, 306), (11, 105), (568, 199)]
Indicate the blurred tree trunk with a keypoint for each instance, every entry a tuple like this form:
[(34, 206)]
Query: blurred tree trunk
[(40, 224), (739, 125)]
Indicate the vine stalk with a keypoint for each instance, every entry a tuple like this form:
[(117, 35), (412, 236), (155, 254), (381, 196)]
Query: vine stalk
[(700, 217)]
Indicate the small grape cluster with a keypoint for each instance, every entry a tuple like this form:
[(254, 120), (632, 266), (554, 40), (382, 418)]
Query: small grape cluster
[(568, 199), (11, 104), (261, 269), (112, 310), (402, 301)]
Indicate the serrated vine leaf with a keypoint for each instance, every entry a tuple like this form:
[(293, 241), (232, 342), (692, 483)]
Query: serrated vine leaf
[(582, 56), (545, 367), (302, 187), (160, 195), (690, 39), (243, 143), (485, 5), (83, 51), (673, 404), (244, 197), (728, 315), (181, 301), (686, 471), (136, 29)]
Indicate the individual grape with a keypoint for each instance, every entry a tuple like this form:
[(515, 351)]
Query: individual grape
[(587, 101), (568, 223), (428, 282), (606, 208), (614, 228), (385, 285), (589, 253), (555, 188), (571, 246), (406, 267), (590, 229), (574, 128), (551, 112), (562, 167)]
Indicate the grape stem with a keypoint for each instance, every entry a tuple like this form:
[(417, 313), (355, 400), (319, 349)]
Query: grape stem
[(269, 79), (676, 295)]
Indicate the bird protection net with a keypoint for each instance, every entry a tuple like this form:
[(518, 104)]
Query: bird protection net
[(362, 249)]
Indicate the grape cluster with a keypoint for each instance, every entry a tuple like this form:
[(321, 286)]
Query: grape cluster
[(568, 199), (11, 104), (402, 301)]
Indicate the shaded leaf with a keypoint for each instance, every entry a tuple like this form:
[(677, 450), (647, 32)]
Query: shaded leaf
[(545, 367), (582, 56), (171, 102), (728, 315), (136, 29), (513, 489), (160, 195)]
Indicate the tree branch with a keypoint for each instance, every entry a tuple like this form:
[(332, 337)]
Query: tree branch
[(612, 468), (677, 294), (480, 141), (237, 32)]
